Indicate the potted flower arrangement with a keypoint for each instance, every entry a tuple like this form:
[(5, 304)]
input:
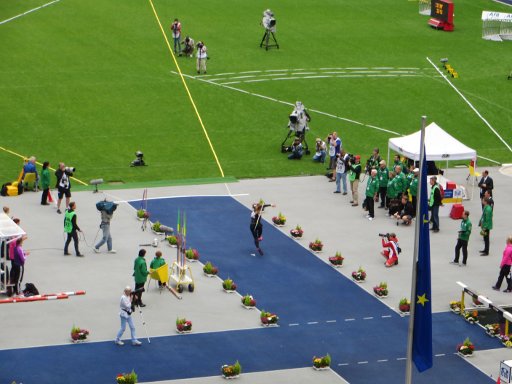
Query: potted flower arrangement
[(492, 329), (455, 306), (183, 325), (229, 285), (156, 228), (142, 214), (404, 306), (359, 275), (321, 363), (505, 340), (316, 246), (296, 232), (381, 290), (471, 316), (248, 302), (172, 241), (231, 371), (268, 319), (78, 335), (127, 378), (466, 349), (336, 260), (192, 254), (279, 220), (210, 270)]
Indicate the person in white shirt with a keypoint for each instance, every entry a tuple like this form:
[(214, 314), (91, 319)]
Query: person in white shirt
[(202, 56), (125, 315)]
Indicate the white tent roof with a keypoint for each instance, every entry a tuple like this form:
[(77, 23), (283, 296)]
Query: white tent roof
[(9, 228), (439, 145)]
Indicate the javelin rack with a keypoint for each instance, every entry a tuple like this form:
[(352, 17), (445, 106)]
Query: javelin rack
[(181, 273)]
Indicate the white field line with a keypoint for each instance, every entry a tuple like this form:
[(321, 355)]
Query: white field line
[(290, 104), (470, 105), (29, 11)]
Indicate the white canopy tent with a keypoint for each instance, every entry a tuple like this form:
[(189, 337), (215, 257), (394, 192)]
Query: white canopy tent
[(439, 145), (9, 231)]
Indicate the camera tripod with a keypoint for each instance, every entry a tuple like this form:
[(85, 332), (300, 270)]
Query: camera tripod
[(266, 40), (301, 136)]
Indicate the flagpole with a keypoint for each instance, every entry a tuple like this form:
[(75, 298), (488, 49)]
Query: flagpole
[(419, 219)]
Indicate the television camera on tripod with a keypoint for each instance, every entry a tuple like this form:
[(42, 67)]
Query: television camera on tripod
[(269, 23), (298, 125)]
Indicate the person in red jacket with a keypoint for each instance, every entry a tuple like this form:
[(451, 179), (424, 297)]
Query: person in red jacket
[(506, 263), (391, 249)]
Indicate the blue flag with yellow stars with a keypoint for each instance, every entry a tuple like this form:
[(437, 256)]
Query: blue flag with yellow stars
[(422, 336)]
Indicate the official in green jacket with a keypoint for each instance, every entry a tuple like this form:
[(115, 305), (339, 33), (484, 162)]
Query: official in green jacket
[(372, 188), (462, 240), (140, 272), (383, 177), (486, 225), (45, 183)]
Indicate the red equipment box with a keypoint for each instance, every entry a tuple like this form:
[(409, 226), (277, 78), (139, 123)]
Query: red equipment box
[(457, 211), (450, 185)]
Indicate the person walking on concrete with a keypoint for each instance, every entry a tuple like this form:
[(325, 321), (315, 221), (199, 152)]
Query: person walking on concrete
[(506, 263), (372, 190), (462, 240), (71, 228), (45, 183), (105, 227), (486, 226), (353, 176), (126, 317)]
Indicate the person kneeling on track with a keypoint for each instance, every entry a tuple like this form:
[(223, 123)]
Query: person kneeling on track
[(391, 251)]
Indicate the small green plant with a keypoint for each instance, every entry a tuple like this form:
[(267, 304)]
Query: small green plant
[(404, 305), (322, 362), (231, 370), (210, 269), (192, 254), (248, 301), (142, 214), (127, 378), (172, 240), (229, 285), (183, 325), (156, 226)]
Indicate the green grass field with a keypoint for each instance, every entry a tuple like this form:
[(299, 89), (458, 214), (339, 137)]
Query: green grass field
[(89, 82)]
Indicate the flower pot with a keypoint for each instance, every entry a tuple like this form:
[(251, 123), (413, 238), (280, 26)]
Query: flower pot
[(157, 233), (381, 296), (321, 368), (358, 280), (463, 355), (455, 310), (209, 274), (404, 309), (296, 237), (248, 306), (230, 377), (279, 224), (172, 245), (191, 260), (229, 290), (184, 331), (141, 218)]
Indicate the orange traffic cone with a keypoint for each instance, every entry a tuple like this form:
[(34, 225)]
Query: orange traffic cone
[(50, 200)]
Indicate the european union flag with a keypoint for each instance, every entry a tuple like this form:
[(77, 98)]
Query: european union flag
[(422, 336)]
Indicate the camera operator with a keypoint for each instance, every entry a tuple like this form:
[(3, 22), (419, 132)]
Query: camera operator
[(125, 315), (334, 149), (320, 151), (354, 165), (202, 56), (373, 161), (140, 272), (296, 150), (106, 209), (176, 35), (188, 46), (392, 249), (341, 172), (63, 186)]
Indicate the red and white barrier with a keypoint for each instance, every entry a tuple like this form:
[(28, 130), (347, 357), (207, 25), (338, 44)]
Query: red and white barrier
[(48, 296)]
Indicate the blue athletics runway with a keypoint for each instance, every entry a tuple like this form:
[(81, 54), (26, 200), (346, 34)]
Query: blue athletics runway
[(320, 311)]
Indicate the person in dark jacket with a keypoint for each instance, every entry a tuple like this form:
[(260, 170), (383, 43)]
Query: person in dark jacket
[(406, 213), (71, 228), (434, 203)]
